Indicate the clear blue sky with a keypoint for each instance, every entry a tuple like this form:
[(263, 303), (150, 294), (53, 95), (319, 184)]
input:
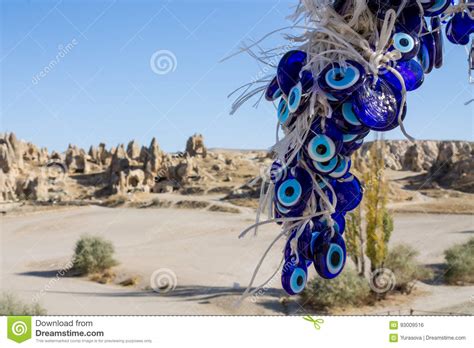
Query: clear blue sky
[(104, 89)]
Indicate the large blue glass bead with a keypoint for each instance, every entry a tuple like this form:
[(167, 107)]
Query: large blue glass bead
[(273, 90), (289, 68), (438, 41), (348, 192), (412, 73), (329, 255), (349, 148), (426, 55), (345, 119), (459, 28), (295, 190), (294, 276), (435, 8), (341, 80), (342, 168), (405, 43), (376, 105)]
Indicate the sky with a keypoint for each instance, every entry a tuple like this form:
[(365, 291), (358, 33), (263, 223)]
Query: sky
[(86, 72)]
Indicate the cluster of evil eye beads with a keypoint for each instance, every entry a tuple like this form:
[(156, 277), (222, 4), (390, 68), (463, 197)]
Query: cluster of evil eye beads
[(360, 103)]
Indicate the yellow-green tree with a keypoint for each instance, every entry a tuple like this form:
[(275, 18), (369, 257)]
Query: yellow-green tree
[(379, 223), (355, 239)]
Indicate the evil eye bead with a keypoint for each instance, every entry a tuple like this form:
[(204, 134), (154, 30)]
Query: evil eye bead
[(289, 193), (294, 277), (277, 172), (459, 28), (321, 148), (281, 211), (349, 193), (289, 68), (408, 45), (283, 112), (343, 166), (436, 7), (426, 55), (340, 80), (273, 91), (294, 98), (329, 256), (438, 41), (326, 167), (294, 190), (346, 120)]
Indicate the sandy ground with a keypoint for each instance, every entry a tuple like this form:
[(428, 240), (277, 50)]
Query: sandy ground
[(202, 249)]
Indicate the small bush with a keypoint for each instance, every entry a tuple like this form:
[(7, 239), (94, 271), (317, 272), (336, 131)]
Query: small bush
[(401, 260), (460, 263), (93, 254), (348, 289), (11, 305)]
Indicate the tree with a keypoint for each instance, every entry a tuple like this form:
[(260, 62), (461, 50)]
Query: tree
[(379, 222)]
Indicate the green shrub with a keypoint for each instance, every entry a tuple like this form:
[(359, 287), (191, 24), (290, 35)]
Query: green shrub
[(460, 263), (401, 260), (11, 305), (93, 254), (348, 289)]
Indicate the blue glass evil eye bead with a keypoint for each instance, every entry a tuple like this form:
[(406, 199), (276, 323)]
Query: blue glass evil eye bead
[(438, 41), (436, 7), (289, 68), (294, 276), (345, 119), (329, 255), (294, 97), (412, 73), (341, 80), (459, 28), (376, 105), (342, 168), (323, 144), (295, 189), (284, 212), (273, 90), (348, 192), (277, 172), (407, 44), (427, 52), (283, 112)]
